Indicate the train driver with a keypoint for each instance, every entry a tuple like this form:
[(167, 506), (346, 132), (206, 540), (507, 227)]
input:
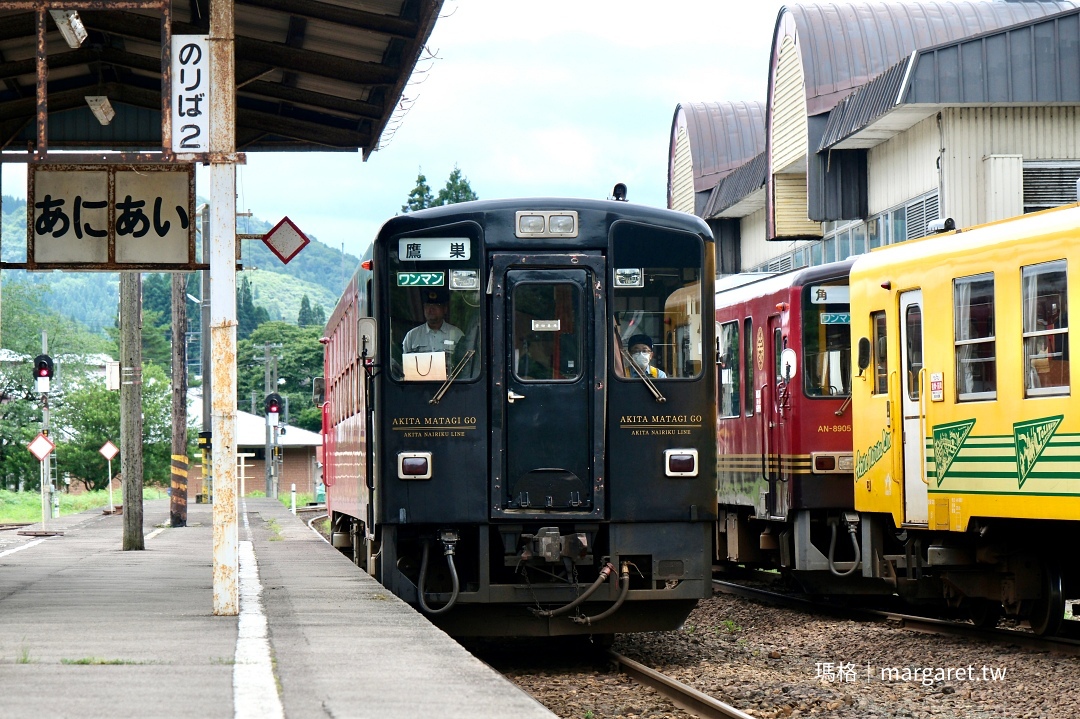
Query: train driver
[(640, 348), (436, 334)]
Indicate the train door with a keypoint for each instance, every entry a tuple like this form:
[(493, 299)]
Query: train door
[(779, 414), (912, 380), (546, 361)]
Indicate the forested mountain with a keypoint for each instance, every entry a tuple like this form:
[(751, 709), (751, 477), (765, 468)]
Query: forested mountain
[(319, 271)]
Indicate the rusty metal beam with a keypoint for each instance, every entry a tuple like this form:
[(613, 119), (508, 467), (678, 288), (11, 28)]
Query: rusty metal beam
[(301, 129), (84, 56), (339, 15), (318, 100)]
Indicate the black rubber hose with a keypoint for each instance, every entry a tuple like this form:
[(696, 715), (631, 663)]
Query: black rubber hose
[(423, 578), (604, 574), (624, 589), (832, 547)]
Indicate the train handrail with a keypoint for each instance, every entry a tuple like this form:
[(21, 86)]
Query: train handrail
[(764, 432), (922, 427)]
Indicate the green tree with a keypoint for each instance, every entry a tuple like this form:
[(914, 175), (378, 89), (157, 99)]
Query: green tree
[(310, 315), (89, 414), (157, 295), (420, 197), (318, 316), (23, 316), (300, 360), (248, 314), (457, 190), (156, 339), (20, 421)]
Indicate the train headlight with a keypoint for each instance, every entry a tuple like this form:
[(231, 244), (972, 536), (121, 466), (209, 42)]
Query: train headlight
[(531, 224), (414, 465), (680, 462), (562, 225)]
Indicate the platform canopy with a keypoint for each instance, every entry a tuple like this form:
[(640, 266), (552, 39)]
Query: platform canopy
[(310, 74)]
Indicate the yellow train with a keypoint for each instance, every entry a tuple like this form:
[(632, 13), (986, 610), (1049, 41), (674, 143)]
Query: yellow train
[(966, 429)]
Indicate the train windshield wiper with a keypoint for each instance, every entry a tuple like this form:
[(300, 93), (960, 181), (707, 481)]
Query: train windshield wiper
[(644, 375), (451, 377)]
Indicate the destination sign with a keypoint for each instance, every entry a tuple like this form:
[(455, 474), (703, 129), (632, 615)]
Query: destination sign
[(830, 294), (435, 248)]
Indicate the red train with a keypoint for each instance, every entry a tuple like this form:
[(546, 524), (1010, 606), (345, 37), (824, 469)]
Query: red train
[(785, 468)]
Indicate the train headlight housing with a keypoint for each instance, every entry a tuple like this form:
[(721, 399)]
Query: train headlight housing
[(414, 465), (559, 223), (681, 462), (833, 463)]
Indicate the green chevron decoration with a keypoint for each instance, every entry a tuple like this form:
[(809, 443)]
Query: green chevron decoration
[(948, 439), (1031, 439)]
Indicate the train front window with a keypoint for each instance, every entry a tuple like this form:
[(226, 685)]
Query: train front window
[(435, 287), (826, 329), (656, 301), (548, 326)]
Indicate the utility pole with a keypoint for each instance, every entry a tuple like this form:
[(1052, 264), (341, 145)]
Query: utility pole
[(131, 424), (178, 495)]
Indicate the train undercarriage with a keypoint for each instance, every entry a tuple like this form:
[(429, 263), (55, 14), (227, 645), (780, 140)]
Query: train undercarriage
[(1020, 569), (531, 579)]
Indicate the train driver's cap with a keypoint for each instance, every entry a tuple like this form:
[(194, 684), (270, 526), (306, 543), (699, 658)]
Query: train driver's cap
[(436, 296), (640, 340)]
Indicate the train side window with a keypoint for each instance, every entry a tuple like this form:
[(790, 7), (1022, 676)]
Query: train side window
[(880, 348), (1044, 299), (748, 361), (914, 349), (729, 369), (974, 337)]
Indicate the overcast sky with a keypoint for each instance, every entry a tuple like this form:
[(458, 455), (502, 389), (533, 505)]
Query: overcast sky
[(553, 98)]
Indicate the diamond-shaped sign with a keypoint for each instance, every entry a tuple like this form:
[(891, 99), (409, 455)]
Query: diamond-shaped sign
[(40, 447), (285, 240), (109, 450)]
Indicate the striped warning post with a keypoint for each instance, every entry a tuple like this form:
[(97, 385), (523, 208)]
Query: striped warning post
[(178, 494)]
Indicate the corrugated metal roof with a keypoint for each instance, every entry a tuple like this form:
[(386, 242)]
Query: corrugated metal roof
[(722, 135), (1035, 62), (745, 180), (865, 104), (310, 75), (843, 46)]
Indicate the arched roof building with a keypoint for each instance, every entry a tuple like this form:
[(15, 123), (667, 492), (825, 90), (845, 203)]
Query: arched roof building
[(709, 140), (882, 116)]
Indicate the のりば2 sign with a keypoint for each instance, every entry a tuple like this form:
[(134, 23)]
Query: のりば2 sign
[(190, 93)]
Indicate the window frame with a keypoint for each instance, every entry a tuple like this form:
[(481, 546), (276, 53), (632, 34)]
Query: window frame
[(960, 345)]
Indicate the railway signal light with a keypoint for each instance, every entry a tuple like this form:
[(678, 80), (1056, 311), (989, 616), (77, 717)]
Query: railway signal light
[(273, 408), (43, 372)]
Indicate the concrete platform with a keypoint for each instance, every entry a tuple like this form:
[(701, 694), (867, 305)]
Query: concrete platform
[(88, 630)]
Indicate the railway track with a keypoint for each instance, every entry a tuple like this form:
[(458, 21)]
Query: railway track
[(1057, 645), (683, 696)]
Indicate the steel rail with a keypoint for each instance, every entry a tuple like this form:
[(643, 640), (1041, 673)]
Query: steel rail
[(681, 695), (928, 625)]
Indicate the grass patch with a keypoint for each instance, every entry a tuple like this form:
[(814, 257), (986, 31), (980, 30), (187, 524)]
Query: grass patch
[(98, 661), (26, 506), (275, 530), (22, 656), (302, 498)]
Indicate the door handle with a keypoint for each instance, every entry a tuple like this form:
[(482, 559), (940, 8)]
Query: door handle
[(511, 395)]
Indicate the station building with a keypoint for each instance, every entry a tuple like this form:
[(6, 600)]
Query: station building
[(880, 118)]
